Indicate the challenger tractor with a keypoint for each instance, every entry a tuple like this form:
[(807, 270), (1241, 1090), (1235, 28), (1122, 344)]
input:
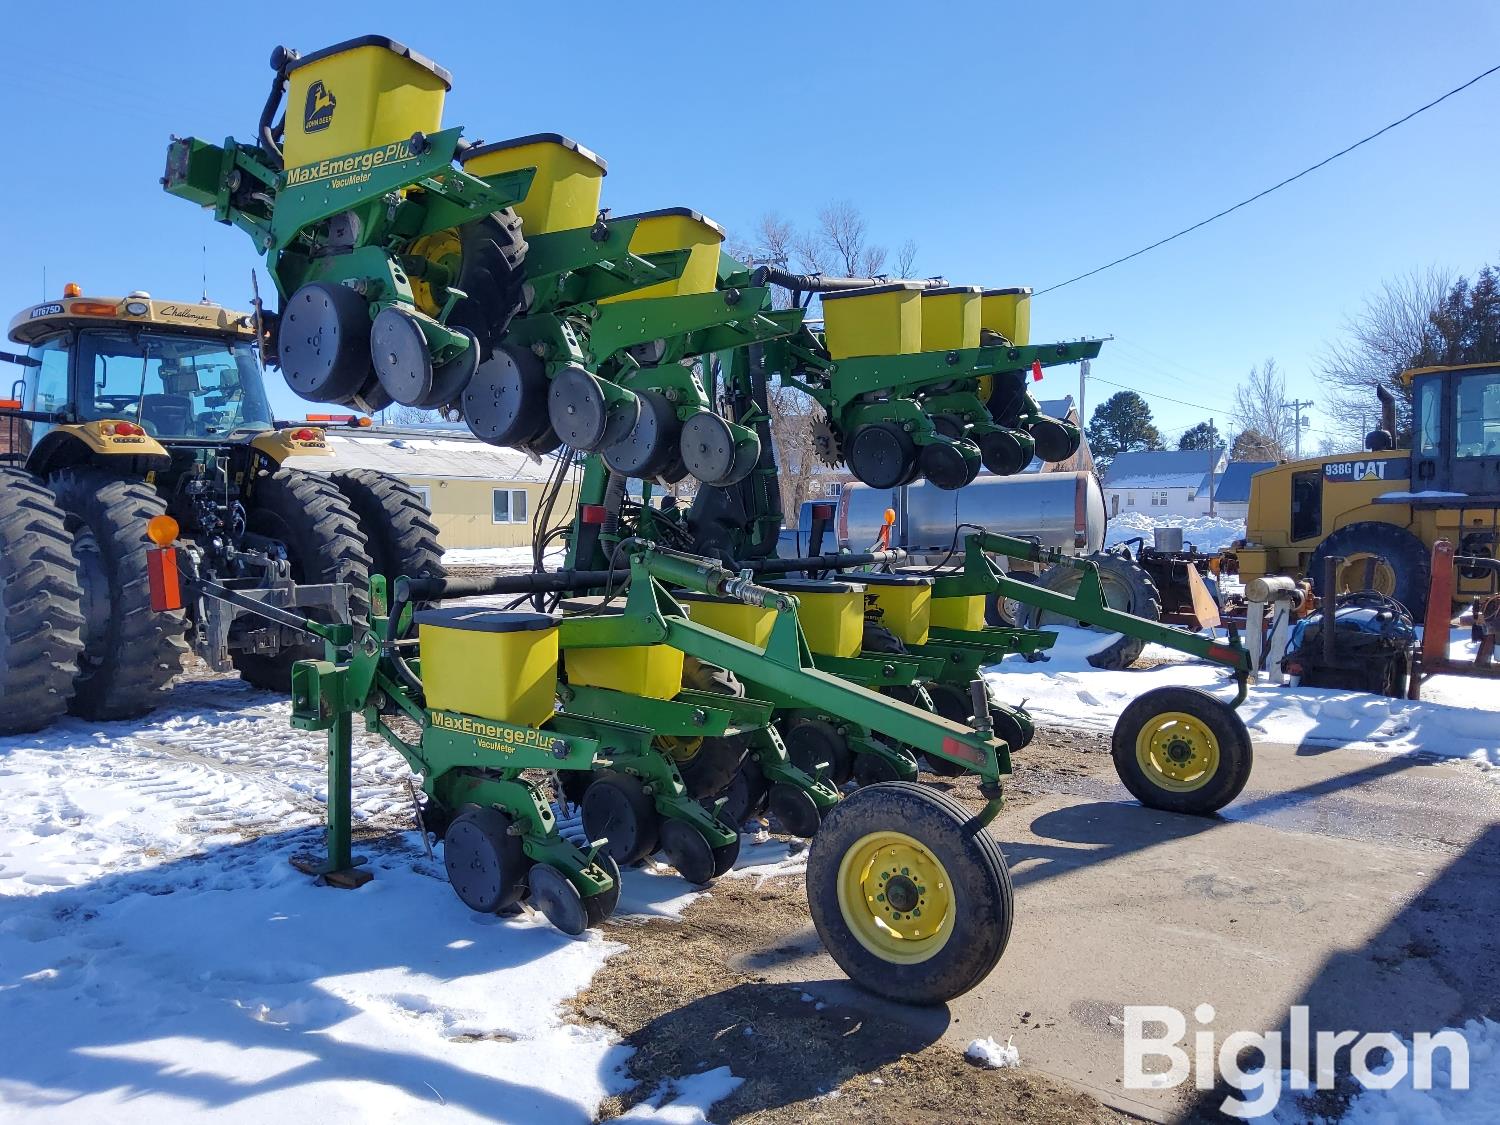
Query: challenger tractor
[(130, 408)]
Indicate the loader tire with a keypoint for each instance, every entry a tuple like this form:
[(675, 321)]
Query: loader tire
[(311, 518), (492, 275), (1126, 587), (130, 651), (41, 606), (1402, 566), (398, 528)]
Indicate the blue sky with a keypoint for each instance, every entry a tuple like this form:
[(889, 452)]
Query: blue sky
[(1016, 143)]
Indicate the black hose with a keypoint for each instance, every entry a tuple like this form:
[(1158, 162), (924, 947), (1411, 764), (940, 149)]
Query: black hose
[(267, 130), (822, 283)]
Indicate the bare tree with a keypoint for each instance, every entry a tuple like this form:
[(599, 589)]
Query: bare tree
[(801, 476), (906, 259), (1394, 331), (1258, 409), (413, 416)]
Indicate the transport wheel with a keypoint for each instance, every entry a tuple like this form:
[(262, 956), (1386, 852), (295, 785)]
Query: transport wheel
[(911, 897), (1181, 749), (599, 907), (746, 795), (1008, 613), (1379, 556), (687, 850), (816, 747), (1126, 587), (398, 529), (310, 517), (554, 894), (617, 807), (130, 651), (41, 606), (486, 865), (953, 705), (795, 809)]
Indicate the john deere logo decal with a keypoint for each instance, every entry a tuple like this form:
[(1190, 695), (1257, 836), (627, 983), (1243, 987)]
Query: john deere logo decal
[(319, 113)]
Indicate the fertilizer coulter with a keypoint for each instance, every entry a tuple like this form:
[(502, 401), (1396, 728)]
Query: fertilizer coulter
[(909, 893)]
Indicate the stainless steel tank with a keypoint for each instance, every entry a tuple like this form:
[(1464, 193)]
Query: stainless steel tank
[(1064, 510)]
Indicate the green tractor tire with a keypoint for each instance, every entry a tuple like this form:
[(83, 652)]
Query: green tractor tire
[(1182, 750), (130, 651), (910, 896), (41, 606)]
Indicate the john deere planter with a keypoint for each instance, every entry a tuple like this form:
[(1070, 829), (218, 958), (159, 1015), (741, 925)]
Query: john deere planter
[(912, 896)]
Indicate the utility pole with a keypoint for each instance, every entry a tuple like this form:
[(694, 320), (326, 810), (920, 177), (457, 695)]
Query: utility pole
[(1213, 462), (1297, 406), (1083, 377)]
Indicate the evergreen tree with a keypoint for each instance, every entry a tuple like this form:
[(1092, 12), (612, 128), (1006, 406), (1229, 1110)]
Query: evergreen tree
[(1122, 424), (1201, 436)]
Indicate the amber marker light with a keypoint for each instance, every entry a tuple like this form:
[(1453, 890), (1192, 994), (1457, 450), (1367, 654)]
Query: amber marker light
[(162, 530)]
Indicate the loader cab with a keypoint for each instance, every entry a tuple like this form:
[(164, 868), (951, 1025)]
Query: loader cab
[(1456, 430)]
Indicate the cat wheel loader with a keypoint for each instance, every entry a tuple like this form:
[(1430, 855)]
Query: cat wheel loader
[(129, 408)]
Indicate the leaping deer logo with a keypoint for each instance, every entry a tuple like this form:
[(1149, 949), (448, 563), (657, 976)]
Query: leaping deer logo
[(319, 112)]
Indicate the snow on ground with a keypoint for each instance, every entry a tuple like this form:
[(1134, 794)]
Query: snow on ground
[(519, 557), (159, 956), (685, 1101), (1207, 533), (993, 1055), (1457, 721)]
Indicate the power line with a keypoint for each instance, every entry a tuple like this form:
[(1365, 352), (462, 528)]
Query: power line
[(1277, 186), (1152, 394)]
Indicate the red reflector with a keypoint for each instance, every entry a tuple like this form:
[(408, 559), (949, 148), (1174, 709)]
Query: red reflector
[(305, 434), (592, 513), (128, 429), (1224, 655), (1036, 371), (162, 579), (963, 751)]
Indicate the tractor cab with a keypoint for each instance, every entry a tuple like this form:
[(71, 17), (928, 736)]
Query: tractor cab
[(98, 370), (1456, 431)]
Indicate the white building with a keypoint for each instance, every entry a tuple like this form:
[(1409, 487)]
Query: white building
[(1162, 483)]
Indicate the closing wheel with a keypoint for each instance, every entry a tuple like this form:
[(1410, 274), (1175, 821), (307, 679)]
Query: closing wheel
[(486, 865), (505, 402), (882, 455), (725, 856), (400, 356), (1014, 725), (554, 894), (323, 339), (600, 906), (1183, 750), (746, 795), (872, 769), (449, 379), (617, 807), (816, 747), (650, 445), (581, 414), (717, 452), (949, 465), (909, 894), (795, 809), (1006, 452), (687, 850), (1055, 440)]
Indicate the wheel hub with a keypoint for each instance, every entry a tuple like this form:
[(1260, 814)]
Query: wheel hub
[(1178, 751), (896, 897)]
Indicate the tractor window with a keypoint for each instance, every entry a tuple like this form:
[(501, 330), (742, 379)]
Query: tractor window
[(47, 385), (1477, 414), (173, 385), (1307, 505), (1429, 416)]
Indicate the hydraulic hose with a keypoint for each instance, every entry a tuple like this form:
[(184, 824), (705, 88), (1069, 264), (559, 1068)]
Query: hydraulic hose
[(281, 58), (822, 283)]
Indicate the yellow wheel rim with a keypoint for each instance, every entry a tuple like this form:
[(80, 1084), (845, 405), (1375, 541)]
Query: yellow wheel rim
[(896, 897), (444, 249), (985, 388), (1382, 579), (1177, 751), (680, 748)]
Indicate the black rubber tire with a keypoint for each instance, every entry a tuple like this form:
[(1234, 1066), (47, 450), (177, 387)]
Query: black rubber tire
[(685, 849), (1403, 552), (1126, 587), (1014, 725), (493, 276), (952, 703), (41, 606), (794, 809), (711, 768), (313, 520), (599, 907), (1055, 440), (746, 795), (878, 639), (983, 902), (1236, 755), (811, 741), (130, 651), (611, 804), (701, 676), (398, 529), (501, 885), (1003, 613), (726, 855), (872, 769)]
